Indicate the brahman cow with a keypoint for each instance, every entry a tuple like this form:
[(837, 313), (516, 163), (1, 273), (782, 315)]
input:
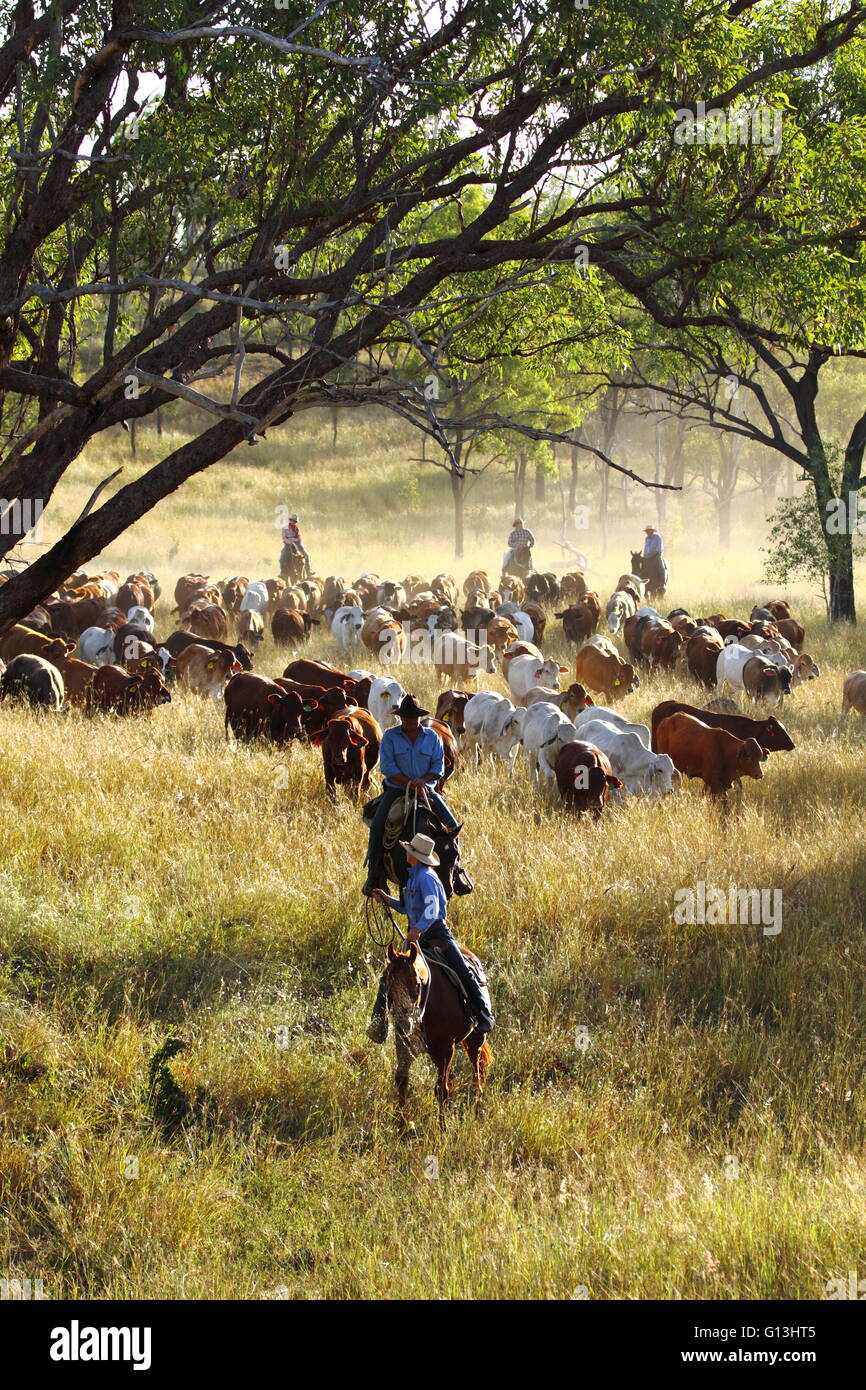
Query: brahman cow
[(584, 777), (451, 708), (770, 733), (23, 641), (350, 750), (545, 730), (205, 672), (346, 626), (258, 708), (616, 721), (491, 725), (604, 672), (459, 660), (523, 673), (114, 690), (718, 758), (641, 771)]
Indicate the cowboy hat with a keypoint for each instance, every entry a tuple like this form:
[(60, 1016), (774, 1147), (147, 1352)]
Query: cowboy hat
[(649, 528), (294, 516), (409, 708), (421, 847)]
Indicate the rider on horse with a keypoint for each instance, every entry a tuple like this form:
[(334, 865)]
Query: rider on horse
[(411, 756), (424, 903), (292, 544), (653, 543), (521, 535)]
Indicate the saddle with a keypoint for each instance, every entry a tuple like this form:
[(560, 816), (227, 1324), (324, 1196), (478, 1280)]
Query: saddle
[(432, 956)]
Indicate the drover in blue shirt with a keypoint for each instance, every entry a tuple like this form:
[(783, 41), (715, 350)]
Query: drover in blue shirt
[(423, 899), (423, 758), (652, 545)]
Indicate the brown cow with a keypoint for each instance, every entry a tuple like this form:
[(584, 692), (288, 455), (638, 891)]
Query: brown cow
[(572, 586), (451, 708), (536, 613), (501, 633), (290, 625), (187, 588), (584, 777), (718, 758), (114, 690), (854, 694), (476, 579), (570, 701), (77, 676), (23, 641), (232, 592), (604, 673), (450, 747), (250, 627), (702, 653), (204, 671), (350, 750), (764, 681), (779, 608), (660, 644), (385, 638), (580, 621), (259, 708), (209, 620), (69, 618), (770, 733), (319, 673), (792, 632)]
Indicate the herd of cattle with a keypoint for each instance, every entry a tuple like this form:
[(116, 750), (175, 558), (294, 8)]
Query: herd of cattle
[(94, 645)]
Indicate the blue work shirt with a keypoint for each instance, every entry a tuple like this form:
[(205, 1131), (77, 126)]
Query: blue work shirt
[(423, 899), (652, 545), (423, 758)]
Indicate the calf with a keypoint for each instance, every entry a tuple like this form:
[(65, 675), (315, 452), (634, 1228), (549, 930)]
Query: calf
[(545, 731), (584, 777), (492, 725), (854, 694), (451, 707), (525, 672), (350, 750), (605, 673), (204, 671), (23, 641), (176, 643), (77, 676), (459, 660), (114, 690), (764, 681), (33, 679), (570, 701), (258, 708), (641, 771), (250, 627), (289, 625), (579, 621)]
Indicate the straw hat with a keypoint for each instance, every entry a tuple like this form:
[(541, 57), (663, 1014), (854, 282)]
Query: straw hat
[(422, 848)]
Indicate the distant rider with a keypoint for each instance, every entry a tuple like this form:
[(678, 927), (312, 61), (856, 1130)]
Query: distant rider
[(521, 535), (424, 903), (292, 544), (653, 543)]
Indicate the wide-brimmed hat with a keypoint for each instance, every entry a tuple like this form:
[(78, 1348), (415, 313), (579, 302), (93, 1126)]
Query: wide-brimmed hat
[(649, 528), (422, 848), (409, 708), (294, 516)]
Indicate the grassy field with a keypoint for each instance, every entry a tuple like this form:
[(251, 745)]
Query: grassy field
[(708, 1143)]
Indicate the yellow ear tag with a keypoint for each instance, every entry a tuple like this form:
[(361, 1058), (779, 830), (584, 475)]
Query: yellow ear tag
[(211, 665), (617, 682)]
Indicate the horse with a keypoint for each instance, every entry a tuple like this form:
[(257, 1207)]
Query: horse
[(293, 567), (520, 563), (653, 571), (409, 817), (427, 1012)]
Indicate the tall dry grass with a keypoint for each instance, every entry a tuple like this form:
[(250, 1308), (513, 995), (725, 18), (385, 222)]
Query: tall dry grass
[(707, 1144)]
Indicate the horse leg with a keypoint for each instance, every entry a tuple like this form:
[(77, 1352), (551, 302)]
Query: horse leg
[(401, 1077), (443, 1079), (479, 1057)]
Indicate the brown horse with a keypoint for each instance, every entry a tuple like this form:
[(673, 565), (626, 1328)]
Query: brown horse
[(426, 1012)]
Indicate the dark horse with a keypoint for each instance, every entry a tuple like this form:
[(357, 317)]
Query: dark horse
[(408, 818), (292, 566), (427, 1012), (520, 563), (653, 571)]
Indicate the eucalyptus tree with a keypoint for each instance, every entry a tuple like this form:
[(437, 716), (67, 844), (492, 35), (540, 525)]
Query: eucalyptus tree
[(207, 183)]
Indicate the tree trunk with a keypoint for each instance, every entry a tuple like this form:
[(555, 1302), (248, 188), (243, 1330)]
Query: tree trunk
[(519, 484), (572, 486), (335, 415), (458, 482), (723, 519), (842, 605), (540, 484), (605, 492)]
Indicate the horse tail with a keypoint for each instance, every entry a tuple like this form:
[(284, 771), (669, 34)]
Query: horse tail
[(485, 1053)]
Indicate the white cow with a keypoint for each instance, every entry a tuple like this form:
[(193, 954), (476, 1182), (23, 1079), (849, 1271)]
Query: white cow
[(545, 730), (647, 611), (618, 721), (524, 672), (384, 695), (522, 621), (639, 770), (619, 607), (730, 663), (96, 645), (492, 725), (255, 600), (142, 617), (346, 626)]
